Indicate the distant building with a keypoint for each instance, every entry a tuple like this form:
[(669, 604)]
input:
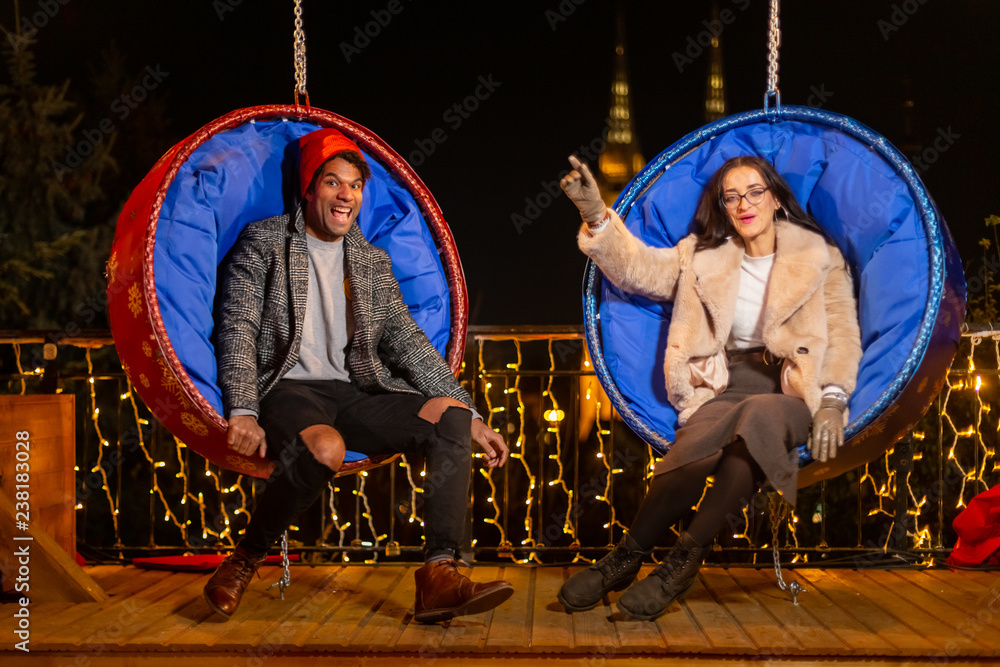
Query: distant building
[(715, 89), (622, 158)]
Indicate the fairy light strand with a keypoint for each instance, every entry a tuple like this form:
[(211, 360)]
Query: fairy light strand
[(488, 474), (154, 465), (967, 441), (101, 444), (334, 518), (568, 527), (20, 370), (520, 456)]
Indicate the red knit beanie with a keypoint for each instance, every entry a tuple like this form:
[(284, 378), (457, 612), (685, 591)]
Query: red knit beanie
[(316, 148)]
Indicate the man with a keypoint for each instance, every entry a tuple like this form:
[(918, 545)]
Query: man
[(314, 340)]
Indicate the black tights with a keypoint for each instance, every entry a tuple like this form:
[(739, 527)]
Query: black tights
[(672, 494)]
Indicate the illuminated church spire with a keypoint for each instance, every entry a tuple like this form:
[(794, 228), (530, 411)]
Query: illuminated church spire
[(715, 91), (622, 159)]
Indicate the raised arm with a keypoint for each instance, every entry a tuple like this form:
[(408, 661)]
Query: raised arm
[(624, 259)]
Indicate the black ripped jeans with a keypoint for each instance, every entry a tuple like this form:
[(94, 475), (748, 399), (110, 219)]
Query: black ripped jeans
[(370, 424)]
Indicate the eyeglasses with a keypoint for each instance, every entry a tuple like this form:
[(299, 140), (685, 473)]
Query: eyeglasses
[(731, 200)]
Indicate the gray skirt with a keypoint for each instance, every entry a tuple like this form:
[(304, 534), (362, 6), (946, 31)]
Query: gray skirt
[(752, 408)]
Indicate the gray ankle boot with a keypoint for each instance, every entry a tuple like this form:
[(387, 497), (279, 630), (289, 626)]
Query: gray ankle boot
[(670, 580), (614, 572)]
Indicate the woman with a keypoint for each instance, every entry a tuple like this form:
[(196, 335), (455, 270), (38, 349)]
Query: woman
[(757, 284)]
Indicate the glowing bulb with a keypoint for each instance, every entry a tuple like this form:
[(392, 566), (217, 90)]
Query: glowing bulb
[(554, 415)]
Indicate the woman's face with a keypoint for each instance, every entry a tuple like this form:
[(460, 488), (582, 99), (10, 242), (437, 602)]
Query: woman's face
[(753, 222)]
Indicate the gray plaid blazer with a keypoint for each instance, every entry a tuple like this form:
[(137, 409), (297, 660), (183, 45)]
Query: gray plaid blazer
[(263, 304)]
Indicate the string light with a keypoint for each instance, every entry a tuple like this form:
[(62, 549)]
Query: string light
[(20, 371), (608, 478), (518, 455), (367, 514), (335, 519), (170, 516), (966, 447), (488, 474), (100, 450)]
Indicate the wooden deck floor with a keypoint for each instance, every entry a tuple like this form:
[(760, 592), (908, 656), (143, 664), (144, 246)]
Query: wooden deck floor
[(361, 615)]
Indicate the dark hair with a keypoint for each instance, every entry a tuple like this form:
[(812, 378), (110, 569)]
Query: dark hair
[(351, 157), (713, 226)]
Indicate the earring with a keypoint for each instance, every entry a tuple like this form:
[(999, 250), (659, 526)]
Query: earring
[(781, 210)]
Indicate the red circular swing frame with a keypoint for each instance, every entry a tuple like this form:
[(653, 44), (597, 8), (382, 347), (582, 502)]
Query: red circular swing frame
[(147, 356)]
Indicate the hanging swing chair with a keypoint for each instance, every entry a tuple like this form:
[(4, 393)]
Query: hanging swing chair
[(186, 214), (871, 203)]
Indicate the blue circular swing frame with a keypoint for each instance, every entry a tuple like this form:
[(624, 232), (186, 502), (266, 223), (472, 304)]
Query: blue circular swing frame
[(900, 402)]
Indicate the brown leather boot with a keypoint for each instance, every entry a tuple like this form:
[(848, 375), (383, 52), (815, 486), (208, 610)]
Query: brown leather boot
[(443, 592), (224, 590)]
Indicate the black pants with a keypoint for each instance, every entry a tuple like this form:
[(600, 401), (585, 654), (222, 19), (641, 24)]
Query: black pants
[(672, 494), (370, 424)]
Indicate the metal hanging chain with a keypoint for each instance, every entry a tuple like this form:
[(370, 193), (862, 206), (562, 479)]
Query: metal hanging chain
[(779, 510), (773, 95), (286, 576), (773, 42), (299, 39)]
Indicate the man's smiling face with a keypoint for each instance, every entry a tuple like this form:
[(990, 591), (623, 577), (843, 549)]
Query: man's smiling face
[(335, 201)]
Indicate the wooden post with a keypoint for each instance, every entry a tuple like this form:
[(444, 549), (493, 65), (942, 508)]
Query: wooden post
[(37, 500), (49, 572), (49, 457)]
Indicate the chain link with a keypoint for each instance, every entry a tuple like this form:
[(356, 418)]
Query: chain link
[(286, 576), (779, 511), (299, 37), (773, 42)]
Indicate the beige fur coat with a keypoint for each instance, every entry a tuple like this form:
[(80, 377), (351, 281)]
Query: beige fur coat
[(810, 319)]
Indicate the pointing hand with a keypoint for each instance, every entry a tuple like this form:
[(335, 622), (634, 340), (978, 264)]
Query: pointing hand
[(581, 187)]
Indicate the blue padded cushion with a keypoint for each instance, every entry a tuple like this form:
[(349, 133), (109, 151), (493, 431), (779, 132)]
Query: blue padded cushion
[(250, 173)]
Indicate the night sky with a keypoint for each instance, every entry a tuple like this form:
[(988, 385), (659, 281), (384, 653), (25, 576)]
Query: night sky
[(550, 66)]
